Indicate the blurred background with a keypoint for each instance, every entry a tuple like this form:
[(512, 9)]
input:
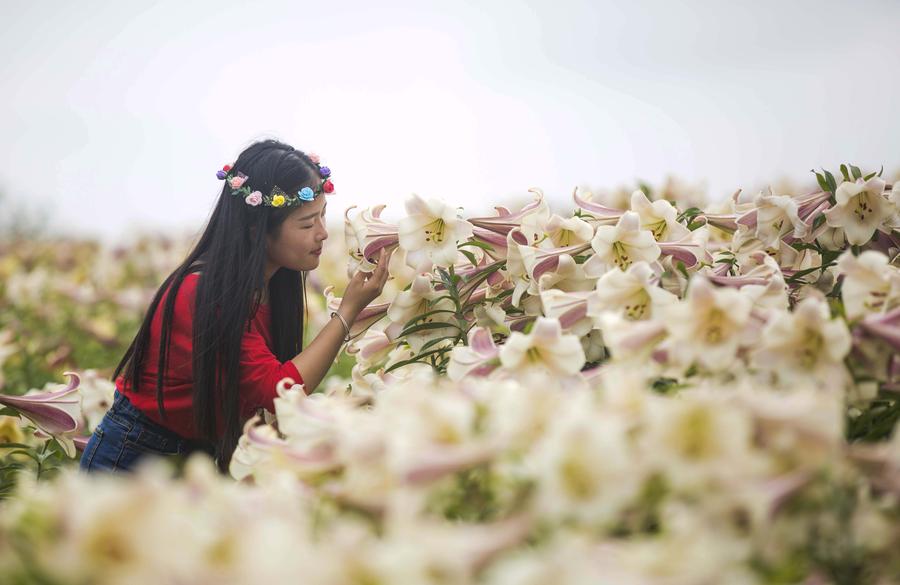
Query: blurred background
[(117, 114)]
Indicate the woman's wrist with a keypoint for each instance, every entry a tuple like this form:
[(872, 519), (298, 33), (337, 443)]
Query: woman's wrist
[(349, 313)]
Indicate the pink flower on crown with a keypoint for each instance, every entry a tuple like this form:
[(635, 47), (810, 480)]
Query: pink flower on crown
[(238, 181), (253, 199), (313, 157)]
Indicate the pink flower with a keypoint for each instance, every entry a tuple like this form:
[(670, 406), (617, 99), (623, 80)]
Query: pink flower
[(238, 181), (313, 157), (254, 198)]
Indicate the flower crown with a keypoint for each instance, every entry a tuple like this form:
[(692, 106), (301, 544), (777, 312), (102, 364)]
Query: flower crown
[(277, 197)]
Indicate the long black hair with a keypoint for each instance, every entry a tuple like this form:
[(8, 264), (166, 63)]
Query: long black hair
[(231, 254)]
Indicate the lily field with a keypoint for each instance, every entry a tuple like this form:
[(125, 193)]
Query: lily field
[(643, 388)]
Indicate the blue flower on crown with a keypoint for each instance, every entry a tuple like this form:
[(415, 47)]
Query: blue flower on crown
[(306, 194)]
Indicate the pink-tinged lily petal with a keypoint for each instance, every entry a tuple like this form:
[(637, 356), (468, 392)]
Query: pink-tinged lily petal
[(748, 219), (444, 461), (548, 260), (482, 341), (688, 253), (80, 442), (724, 221), (885, 327), (505, 221), (596, 209), (56, 413), (495, 240)]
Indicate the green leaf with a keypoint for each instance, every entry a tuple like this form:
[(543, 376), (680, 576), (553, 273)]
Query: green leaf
[(470, 256), (857, 174), (832, 184), (415, 360), (845, 172), (823, 184), (427, 314), (427, 327), (869, 176), (477, 244)]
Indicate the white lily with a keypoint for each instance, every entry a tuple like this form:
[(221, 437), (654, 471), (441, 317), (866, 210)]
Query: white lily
[(546, 347), (417, 300), (708, 326), (478, 358), (659, 217), (871, 283), (860, 209), (569, 308), (634, 293), (431, 230), (806, 344), (568, 231), (621, 245), (773, 217), (365, 234)]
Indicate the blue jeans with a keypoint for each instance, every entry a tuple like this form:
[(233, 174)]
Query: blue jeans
[(126, 435)]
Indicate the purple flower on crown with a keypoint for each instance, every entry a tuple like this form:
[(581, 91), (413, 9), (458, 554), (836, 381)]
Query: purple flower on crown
[(325, 172), (306, 194)]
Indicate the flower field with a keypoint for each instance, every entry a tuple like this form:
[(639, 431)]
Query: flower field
[(646, 389)]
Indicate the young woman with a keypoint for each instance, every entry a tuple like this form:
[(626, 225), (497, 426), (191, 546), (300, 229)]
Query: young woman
[(227, 324)]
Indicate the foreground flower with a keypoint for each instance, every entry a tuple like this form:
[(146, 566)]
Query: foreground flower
[(56, 413), (860, 209), (431, 230), (545, 348)]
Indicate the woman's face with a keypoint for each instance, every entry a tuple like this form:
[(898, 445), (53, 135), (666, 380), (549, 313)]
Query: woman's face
[(299, 243)]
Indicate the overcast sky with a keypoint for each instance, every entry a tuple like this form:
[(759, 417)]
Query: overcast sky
[(116, 117)]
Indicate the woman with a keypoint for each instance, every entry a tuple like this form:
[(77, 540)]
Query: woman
[(227, 324)]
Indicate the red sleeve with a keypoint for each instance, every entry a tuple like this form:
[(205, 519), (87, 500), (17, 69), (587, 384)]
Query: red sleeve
[(260, 372)]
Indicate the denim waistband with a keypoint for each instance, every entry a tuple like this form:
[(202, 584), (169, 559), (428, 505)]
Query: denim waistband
[(121, 405)]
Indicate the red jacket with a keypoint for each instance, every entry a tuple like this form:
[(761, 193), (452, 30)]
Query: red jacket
[(259, 369)]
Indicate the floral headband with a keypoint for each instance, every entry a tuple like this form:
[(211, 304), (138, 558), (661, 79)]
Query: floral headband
[(277, 197)]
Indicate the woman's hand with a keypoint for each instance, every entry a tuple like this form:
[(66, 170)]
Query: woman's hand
[(365, 287)]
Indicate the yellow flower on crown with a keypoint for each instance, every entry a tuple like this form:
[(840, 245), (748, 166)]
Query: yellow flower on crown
[(278, 201)]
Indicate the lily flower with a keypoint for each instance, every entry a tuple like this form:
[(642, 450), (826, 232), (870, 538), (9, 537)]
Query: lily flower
[(604, 214), (860, 209), (505, 220), (58, 413), (871, 284), (419, 299), (708, 326), (478, 358), (634, 293), (431, 231), (773, 217), (545, 348), (621, 245), (659, 217), (569, 308), (366, 233), (568, 231), (804, 344)]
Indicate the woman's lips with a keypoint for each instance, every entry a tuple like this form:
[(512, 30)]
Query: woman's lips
[(317, 252)]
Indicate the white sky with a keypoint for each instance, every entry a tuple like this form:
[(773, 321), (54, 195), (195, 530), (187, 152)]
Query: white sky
[(117, 117)]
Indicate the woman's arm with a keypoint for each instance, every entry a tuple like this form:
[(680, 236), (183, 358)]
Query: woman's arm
[(315, 360)]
